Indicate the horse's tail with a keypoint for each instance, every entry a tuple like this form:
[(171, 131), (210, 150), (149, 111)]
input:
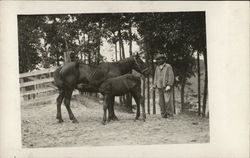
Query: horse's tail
[(77, 66), (59, 76), (58, 81)]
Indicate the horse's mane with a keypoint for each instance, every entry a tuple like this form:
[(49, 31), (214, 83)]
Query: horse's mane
[(81, 62), (126, 60)]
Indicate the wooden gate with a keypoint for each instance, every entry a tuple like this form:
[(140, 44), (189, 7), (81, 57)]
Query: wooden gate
[(37, 86)]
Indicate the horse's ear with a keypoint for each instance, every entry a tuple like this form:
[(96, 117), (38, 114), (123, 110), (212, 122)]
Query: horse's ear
[(138, 54)]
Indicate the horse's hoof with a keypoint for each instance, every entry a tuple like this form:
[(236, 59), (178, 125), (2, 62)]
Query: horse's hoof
[(136, 118), (103, 122), (75, 121), (60, 121), (114, 118)]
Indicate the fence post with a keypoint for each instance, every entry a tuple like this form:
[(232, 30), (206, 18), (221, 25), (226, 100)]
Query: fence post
[(174, 99), (154, 109), (34, 85), (148, 93), (143, 92)]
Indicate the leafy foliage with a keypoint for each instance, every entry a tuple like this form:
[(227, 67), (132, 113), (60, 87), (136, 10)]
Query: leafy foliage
[(44, 39)]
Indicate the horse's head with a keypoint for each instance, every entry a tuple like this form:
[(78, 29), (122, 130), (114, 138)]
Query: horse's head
[(140, 65)]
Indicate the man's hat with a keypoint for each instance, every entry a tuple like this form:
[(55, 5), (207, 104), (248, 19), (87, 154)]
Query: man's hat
[(159, 56)]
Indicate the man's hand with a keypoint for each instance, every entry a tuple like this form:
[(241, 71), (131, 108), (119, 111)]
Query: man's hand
[(167, 88), (153, 88)]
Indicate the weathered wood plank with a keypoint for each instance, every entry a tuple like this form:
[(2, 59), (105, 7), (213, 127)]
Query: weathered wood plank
[(38, 72), (37, 91), (44, 99), (36, 82)]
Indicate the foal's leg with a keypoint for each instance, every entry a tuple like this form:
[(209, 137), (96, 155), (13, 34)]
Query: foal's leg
[(105, 106), (139, 101), (143, 107), (68, 95), (59, 103), (112, 116)]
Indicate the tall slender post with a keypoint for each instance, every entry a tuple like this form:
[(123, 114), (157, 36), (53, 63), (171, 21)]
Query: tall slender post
[(148, 93), (199, 89), (174, 99), (143, 92)]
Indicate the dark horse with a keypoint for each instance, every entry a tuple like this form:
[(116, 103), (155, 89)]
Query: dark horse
[(119, 86), (68, 76)]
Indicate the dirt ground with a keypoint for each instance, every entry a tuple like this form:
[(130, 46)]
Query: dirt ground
[(40, 127)]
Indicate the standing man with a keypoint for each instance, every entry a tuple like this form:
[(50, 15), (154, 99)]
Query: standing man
[(163, 81)]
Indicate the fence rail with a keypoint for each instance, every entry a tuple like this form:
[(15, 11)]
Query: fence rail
[(38, 72), (37, 86)]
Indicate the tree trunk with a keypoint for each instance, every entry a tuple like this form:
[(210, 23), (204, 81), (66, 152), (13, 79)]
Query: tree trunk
[(174, 100), (66, 53), (122, 99), (205, 86), (143, 91), (154, 109), (129, 96), (57, 58), (81, 55), (120, 50), (183, 96), (99, 44), (123, 51), (148, 97), (130, 38), (171, 62), (89, 57), (199, 84), (153, 71), (115, 51)]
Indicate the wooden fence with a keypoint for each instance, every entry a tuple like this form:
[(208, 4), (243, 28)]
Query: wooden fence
[(37, 86)]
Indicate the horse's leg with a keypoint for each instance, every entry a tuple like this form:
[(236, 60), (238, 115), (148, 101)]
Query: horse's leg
[(68, 95), (59, 100), (105, 106), (109, 105), (112, 116), (137, 100), (136, 93), (143, 107)]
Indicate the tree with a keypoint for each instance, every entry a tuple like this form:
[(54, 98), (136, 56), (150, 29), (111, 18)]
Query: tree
[(28, 40), (176, 35)]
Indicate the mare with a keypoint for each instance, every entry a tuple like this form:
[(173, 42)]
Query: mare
[(67, 77)]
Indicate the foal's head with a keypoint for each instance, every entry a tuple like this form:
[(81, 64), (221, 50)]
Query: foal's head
[(139, 65)]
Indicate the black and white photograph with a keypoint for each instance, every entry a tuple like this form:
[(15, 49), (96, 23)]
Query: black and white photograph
[(113, 79), (132, 79)]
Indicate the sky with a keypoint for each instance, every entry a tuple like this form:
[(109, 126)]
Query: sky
[(108, 50)]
